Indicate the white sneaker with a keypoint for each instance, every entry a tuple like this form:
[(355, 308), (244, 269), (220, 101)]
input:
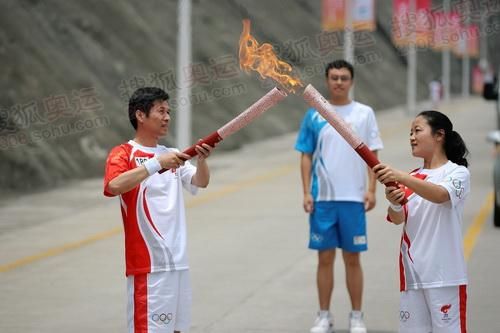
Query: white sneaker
[(356, 324), (323, 325)]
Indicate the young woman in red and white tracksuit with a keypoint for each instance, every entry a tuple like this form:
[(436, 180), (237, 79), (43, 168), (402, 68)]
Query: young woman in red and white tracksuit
[(433, 275)]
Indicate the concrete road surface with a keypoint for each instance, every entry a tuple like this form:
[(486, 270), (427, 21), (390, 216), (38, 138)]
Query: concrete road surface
[(61, 251)]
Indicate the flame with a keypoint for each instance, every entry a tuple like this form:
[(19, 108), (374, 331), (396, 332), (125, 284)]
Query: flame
[(261, 58)]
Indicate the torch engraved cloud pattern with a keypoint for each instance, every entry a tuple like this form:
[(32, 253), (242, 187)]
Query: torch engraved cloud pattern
[(317, 101), (266, 102)]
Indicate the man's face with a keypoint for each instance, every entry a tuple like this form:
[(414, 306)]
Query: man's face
[(158, 120), (339, 82)]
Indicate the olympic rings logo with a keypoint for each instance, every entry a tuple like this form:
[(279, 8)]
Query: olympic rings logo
[(404, 315), (162, 318)]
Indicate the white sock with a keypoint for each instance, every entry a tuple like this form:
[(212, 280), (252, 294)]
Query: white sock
[(356, 314), (324, 314)]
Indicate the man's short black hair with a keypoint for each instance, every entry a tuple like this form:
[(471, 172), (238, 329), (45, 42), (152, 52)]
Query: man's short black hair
[(338, 64), (143, 99)]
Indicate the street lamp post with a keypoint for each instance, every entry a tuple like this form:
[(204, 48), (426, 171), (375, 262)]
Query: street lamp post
[(183, 114)]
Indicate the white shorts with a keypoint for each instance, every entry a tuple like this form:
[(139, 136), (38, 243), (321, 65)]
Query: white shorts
[(159, 302), (436, 310)]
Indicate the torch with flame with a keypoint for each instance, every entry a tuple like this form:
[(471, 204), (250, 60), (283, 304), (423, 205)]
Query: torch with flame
[(272, 67), (263, 60)]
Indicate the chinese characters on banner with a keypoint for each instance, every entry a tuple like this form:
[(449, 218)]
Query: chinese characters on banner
[(440, 38), (438, 30), (467, 41), (406, 26)]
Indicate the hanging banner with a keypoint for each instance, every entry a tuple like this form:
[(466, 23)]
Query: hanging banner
[(405, 25), (423, 23), (477, 80), (460, 46), (363, 15), (473, 43), (333, 15), (454, 30), (440, 35), (468, 41), (400, 22), (446, 32)]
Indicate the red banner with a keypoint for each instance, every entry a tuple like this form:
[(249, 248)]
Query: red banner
[(454, 29), (440, 35), (400, 22), (423, 22), (473, 43), (477, 80), (333, 16), (467, 41), (447, 31), (406, 26)]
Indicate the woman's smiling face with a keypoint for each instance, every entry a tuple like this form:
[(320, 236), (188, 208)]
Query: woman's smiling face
[(423, 142)]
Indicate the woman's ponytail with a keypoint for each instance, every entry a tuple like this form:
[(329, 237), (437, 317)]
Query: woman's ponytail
[(455, 148)]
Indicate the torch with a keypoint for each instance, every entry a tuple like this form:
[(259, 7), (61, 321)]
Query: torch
[(262, 59), (243, 119), (317, 101)]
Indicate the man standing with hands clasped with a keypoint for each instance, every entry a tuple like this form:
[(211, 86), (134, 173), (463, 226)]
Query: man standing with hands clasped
[(337, 192), (152, 206)]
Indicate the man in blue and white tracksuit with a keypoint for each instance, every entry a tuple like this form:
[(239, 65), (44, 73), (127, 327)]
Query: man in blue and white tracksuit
[(337, 192)]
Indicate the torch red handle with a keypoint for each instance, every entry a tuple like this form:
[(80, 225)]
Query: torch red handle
[(210, 140), (371, 159)]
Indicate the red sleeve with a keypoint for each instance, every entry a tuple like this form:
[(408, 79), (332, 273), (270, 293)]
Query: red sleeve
[(116, 164)]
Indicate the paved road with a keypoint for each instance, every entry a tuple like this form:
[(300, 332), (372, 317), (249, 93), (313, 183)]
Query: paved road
[(61, 255)]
